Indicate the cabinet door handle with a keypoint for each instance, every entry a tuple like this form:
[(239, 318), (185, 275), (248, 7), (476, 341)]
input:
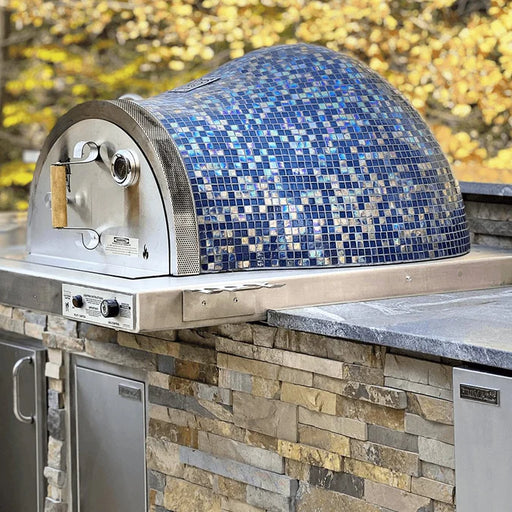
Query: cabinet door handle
[(15, 388)]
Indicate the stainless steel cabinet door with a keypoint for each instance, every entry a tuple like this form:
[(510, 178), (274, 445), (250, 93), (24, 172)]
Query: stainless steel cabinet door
[(110, 442), (483, 445), (22, 439)]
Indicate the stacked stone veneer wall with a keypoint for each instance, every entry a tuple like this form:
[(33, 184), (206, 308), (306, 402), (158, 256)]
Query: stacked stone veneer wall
[(490, 223), (251, 418)]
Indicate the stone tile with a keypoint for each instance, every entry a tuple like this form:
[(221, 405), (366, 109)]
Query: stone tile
[(229, 488), (181, 495), (418, 370), (266, 388), (296, 469), (340, 425), (294, 376), (56, 453), (214, 394), (316, 499), (56, 423), (159, 380), (51, 505), (62, 325), (439, 473), (432, 409), (236, 332), (279, 484), (173, 433), (313, 364), (395, 499), (34, 330), (378, 474), (120, 355), (229, 505), (252, 455), (325, 347), (243, 365), (56, 385), (148, 344), (439, 506), (166, 364), (310, 398), (54, 371), (55, 356), (379, 395), (310, 455), (192, 370), (55, 477), (324, 439), (6, 311), (419, 426), (380, 455), (393, 438), (270, 417), (55, 399), (268, 501), (220, 411), (199, 336), (432, 489), (365, 374), (63, 342), (421, 389), (260, 440), (263, 335), (163, 456), (345, 483), (235, 381), (156, 480), (436, 452), (97, 333), (12, 325), (221, 428), (161, 396), (370, 413), (199, 477), (197, 354)]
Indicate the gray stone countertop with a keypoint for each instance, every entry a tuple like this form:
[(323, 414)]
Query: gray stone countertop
[(474, 326)]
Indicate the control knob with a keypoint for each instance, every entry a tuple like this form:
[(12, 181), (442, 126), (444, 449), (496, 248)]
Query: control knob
[(77, 301), (109, 308)]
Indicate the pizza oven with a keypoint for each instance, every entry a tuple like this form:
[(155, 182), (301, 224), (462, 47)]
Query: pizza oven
[(292, 176)]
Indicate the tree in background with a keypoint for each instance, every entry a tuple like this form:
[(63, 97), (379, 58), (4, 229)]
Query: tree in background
[(451, 58)]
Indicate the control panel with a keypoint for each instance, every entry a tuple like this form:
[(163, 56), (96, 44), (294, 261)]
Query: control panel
[(102, 307)]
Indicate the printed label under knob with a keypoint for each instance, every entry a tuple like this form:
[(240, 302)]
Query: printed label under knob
[(109, 308)]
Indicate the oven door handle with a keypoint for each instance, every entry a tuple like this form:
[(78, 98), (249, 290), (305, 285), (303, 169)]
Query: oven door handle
[(59, 181), (15, 388)]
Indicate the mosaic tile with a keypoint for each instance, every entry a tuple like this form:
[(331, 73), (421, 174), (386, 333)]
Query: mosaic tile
[(299, 156)]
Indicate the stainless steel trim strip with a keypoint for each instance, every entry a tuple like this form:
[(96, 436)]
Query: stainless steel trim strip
[(159, 300)]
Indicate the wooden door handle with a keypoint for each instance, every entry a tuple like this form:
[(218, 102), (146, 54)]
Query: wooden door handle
[(58, 187)]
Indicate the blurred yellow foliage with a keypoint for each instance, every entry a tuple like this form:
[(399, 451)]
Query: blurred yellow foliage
[(451, 58)]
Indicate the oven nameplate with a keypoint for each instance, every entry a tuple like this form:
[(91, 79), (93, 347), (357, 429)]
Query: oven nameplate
[(90, 310)]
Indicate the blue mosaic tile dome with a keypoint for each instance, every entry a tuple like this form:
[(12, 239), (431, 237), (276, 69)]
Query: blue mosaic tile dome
[(298, 156)]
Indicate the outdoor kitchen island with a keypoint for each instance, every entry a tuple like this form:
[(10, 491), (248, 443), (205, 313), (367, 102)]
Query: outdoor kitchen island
[(254, 417), (169, 241)]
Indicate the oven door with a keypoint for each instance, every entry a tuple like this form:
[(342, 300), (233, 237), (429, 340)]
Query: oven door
[(22, 423)]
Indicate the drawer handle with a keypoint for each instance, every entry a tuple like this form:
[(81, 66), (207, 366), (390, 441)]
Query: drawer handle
[(15, 387)]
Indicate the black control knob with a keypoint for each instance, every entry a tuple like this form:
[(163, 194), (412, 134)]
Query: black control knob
[(77, 301), (109, 308)]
